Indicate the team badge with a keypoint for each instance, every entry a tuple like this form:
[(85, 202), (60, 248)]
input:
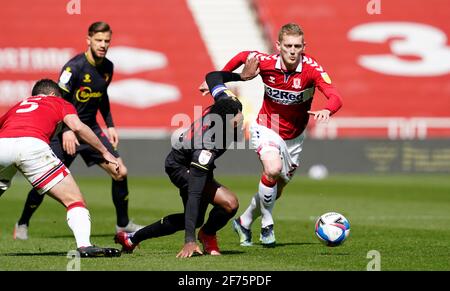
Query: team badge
[(326, 78), (296, 84), (272, 79), (204, 157), (87, 78), (65, 76)]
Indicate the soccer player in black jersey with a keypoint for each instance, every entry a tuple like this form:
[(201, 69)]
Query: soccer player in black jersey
[(190, 166), (84, 81)]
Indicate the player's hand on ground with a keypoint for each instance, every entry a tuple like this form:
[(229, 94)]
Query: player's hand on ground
[(189, 249), (204, 88), (113, 137), (70, 142), (109, 158), (321, 115), (251, 69)]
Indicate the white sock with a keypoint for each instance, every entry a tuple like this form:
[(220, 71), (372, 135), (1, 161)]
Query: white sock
[(267, 197), (79, 221), (252, 212)]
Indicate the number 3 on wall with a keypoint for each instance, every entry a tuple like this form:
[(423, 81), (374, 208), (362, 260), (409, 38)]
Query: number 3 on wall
[(421, 40), (30, 105)]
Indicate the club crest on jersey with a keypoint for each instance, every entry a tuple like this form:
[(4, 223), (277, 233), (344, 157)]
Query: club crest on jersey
[(204, 157), (296, 83), (87, 78), (271, 79)]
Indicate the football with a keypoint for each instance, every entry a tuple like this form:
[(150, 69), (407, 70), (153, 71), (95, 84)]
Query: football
[(332, 229)]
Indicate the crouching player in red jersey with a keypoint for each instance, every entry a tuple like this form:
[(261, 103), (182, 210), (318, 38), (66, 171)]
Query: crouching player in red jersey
[(25, 133), (290, 78)]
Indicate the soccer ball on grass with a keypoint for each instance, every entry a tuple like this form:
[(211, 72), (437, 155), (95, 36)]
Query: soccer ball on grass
[(332, 229)]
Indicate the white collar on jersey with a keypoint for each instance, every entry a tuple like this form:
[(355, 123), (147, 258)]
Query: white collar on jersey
[(278, 64)]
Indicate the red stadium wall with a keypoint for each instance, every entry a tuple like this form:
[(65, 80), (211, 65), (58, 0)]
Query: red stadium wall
[(161, 57), (390, 59), (391, 68)]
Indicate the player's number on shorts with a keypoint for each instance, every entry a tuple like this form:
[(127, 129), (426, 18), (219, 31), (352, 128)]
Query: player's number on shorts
[(28, 105), (425, 42)]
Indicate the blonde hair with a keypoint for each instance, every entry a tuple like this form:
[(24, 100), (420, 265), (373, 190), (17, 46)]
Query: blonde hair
[(290, 29)]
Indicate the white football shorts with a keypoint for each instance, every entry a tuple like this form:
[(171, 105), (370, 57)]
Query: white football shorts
[(34, 158), (264, 139)]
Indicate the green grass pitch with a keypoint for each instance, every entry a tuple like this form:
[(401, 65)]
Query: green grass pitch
[(405, 218)]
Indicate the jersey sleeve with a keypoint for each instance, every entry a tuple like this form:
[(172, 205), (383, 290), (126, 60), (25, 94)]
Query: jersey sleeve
[(201, 166), (2, 120), (216, 80), (67, 78), (67, 108), (236, 61), (105, 110), (111, 76), (105, 106), (323, 82)]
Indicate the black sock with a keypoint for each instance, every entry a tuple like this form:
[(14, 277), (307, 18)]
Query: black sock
[(32, 203), (217, 219), (120, 200), (165, 226)]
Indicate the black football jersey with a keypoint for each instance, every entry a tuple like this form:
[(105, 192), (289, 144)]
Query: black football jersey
[(85, 86)]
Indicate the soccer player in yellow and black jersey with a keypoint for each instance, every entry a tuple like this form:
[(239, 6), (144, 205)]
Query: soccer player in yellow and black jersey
[(84, 81)]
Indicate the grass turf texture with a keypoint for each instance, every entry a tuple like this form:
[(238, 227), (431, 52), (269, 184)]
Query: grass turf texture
[(405, 218)]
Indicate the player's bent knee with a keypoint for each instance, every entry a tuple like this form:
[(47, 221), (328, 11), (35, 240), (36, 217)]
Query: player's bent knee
[(272, 172), (123, 171), (118, 176), (122, 175), (231, 205)]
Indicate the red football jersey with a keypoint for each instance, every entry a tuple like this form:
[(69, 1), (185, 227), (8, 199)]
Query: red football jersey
[(36, 116), (288, 95)]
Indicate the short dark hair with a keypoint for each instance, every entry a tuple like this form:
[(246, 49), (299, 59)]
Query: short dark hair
[(226, 106), (46, 87), (99, 26)]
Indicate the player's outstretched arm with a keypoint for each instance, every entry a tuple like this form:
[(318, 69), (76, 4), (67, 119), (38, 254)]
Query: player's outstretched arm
[(321, 115), (251, 69), (246, 57), (70, 142), (85, 133), (113, 137)]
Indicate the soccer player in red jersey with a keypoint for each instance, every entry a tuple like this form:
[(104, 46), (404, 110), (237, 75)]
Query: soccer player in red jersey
[(290, 78), (25, 133), (84, 81)]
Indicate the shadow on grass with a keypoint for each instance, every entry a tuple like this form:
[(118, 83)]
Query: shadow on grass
[(111, 235), (43, 254), (288, 244), (231, 252), (334, 254)]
